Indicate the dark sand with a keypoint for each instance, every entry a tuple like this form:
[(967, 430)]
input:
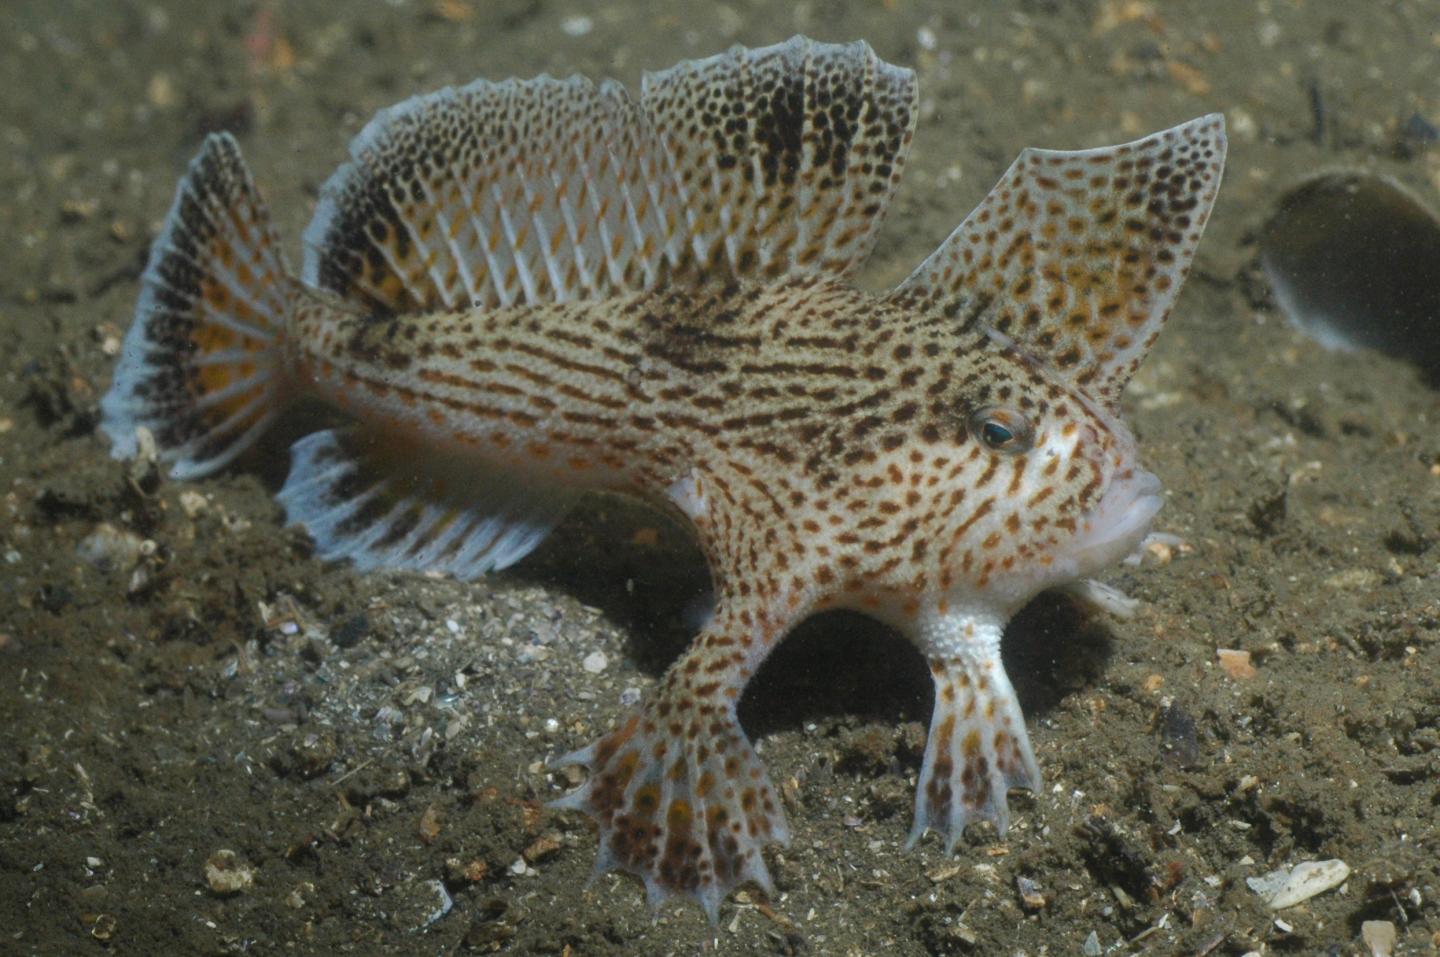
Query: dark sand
[(369, 741)]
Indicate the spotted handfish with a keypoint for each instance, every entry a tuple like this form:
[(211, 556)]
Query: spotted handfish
[(514, 292)]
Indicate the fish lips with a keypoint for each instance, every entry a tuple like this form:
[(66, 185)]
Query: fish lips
[(1115, 529)]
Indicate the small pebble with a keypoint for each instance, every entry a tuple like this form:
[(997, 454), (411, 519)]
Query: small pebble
[(1032, 897), (432, 820), (225, 873), (595, 662), (941, 874), (1235, 663), (1159, 552), (103, 927), (296, 898), (577, 25), (472, 871), (108, 548), (78, 210), (1379, 937), (161, 91), (1281, 888), (542, 848), (1178, 735)]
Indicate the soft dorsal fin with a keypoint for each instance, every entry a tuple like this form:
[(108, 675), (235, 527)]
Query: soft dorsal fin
[(1076, 257), (752, 163), (785, 158)]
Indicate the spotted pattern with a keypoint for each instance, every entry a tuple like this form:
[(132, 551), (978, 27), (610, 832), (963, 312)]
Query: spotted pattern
[(200, 365), (818, 439), (551, 283), (681, 799), (977, 748), (750, 163), (1077, 257)]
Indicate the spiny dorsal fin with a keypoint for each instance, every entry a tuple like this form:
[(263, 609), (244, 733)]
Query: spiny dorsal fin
[(752, 163), (1076, 257)]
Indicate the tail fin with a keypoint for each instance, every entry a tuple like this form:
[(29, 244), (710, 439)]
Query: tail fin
[(202, 366)]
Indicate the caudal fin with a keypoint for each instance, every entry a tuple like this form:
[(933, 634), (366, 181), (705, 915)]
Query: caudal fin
[(202, 367)]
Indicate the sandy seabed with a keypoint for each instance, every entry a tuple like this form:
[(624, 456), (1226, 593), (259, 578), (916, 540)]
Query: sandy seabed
[(224, 746)]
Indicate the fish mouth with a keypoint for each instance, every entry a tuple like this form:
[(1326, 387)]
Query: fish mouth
[(1117, 526)]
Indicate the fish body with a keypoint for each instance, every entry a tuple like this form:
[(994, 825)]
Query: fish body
[(516, 292)]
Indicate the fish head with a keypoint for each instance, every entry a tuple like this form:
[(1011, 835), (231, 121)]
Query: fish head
[(1057, 286), (1053, 489)]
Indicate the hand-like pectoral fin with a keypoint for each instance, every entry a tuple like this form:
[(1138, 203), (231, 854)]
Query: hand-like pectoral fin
[(977, 749), (678, 793)]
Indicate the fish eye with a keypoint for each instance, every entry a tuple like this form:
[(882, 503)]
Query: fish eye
[(1002, 430)]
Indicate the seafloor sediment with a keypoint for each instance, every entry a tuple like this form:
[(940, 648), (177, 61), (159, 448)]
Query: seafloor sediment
[(370, 750)]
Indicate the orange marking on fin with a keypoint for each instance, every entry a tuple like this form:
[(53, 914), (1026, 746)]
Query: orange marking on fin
[(971, 745), (679, 816)]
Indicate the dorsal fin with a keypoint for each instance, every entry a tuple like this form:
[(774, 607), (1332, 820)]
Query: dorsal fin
[(1076, 257), (785, 158), (748, 164)]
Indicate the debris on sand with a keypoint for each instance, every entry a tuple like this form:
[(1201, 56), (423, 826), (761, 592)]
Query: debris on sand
[(1379, 937), (1235, 663), (226, 873), (1285, 888)]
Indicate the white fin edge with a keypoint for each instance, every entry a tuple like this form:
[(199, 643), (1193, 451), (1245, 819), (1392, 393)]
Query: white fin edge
[(360, 513), (202, 364)]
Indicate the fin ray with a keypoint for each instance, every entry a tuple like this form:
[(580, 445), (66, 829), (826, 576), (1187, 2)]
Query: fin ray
[(546, 190), (977, 749), (381, 502), (1076, 258), (217, 453), (202, 363)]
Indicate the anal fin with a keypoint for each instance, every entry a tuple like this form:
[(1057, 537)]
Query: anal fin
[(383, 503)]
